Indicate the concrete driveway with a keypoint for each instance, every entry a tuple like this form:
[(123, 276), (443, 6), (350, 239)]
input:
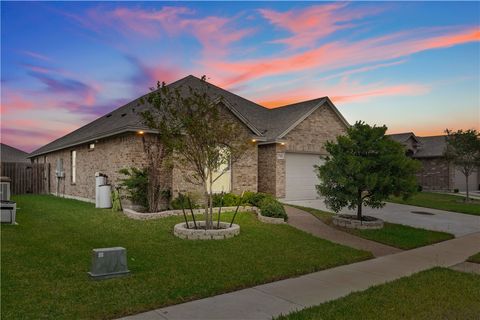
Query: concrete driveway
[(458, 224)]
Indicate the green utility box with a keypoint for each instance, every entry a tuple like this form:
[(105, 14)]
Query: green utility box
[(109, 263)]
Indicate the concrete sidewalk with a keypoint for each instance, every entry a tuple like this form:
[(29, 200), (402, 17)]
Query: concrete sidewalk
[(307, 222), (282, 297), (458, 224)]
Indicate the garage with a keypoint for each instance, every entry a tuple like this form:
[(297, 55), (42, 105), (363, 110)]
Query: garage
[(460, 182), (300, 178)]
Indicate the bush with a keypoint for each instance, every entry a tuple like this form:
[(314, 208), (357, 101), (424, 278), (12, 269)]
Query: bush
[(177, 203), (229, 200), (254, 198), (270, 207), (136, 185), (420, 188), (456, 190)]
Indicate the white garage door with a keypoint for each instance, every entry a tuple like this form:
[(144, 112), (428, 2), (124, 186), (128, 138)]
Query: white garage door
[(300, 176), (460, 182)]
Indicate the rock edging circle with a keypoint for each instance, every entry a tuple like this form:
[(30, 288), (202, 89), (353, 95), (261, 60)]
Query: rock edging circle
[(224, 232), (350, 221)]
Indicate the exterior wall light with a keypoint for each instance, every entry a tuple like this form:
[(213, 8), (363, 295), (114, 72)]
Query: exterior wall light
[(140, 132), (254, 140), (282, 143)]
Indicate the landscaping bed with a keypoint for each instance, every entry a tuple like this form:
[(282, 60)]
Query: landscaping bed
[(395, 235), (433, 294), (475, 258), (442, 202), (46, 257)]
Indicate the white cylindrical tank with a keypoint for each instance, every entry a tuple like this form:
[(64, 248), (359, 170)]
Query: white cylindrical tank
[(105, 196), (100, 179)]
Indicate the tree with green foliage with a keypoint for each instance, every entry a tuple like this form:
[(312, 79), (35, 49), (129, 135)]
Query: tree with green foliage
[(365, 167), (463, 150), (202, 134)]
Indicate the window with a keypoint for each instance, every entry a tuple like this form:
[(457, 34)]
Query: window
[(222, 179), (74, 166)]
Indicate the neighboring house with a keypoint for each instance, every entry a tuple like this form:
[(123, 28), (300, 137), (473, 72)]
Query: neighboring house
[(437, 173), (285, 144), (11, 154)]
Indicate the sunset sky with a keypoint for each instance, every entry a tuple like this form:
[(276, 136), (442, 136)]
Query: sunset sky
[(412, 66)]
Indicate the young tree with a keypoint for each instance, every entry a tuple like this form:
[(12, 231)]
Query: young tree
[(463, 150), (365, 167), (157, 156), (202, 134)]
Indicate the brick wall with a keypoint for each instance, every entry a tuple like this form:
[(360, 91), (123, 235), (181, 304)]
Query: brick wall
[(108, 157), (312, 133), (307, 137), (435, 174)]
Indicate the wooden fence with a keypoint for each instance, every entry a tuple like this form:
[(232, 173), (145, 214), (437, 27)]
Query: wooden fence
[(27, 177)]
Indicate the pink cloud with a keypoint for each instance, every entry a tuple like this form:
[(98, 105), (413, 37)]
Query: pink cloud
[(36, 55), (214, 33), (315, 22), (341, 54), (13, 101), (345, 91)]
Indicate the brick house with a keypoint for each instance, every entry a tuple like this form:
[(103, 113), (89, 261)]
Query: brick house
[(437, 174), (285, 143)]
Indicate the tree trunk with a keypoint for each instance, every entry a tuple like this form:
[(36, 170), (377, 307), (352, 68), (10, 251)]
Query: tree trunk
[(206, 203), (359, 205), (468, 190), (210, 204)]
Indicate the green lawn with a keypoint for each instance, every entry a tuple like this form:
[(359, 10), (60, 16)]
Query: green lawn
[(475, 258), (433, 294), (442, 202), (395, 235), (46, 257)]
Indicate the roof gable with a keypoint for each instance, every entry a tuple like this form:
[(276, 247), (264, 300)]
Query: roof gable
[(269, 124), (11, 154)]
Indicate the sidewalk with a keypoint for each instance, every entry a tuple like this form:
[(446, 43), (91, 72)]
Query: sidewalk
[(282, 297), (307, 222)]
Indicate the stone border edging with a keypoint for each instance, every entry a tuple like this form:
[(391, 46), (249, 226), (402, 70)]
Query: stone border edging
[(271, 220), (132, 214), (180, 230), (339, 221), (168, 213)]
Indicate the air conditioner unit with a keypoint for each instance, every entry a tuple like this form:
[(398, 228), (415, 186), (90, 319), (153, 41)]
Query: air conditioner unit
[(8, 211), (5, 188)]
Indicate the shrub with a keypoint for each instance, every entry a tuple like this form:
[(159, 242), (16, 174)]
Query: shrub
[(229, 200), (272, 208), (176, 203), (420, 188), (254, 198), (136, 185), (456, 190)]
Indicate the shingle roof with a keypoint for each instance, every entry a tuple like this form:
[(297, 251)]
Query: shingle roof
[(402, 137), (431, 147), (11, 154), (282, 118), (267, 123)]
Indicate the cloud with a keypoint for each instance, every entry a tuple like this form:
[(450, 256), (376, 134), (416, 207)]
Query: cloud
[(344, 91), (342, 54), (309, 25), (146, 76), (35, 55), (214, 33)]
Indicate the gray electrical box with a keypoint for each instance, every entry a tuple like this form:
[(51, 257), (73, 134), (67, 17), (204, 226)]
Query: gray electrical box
[(109, 263)]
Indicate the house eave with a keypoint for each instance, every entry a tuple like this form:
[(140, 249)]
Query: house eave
[(91, 139)]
